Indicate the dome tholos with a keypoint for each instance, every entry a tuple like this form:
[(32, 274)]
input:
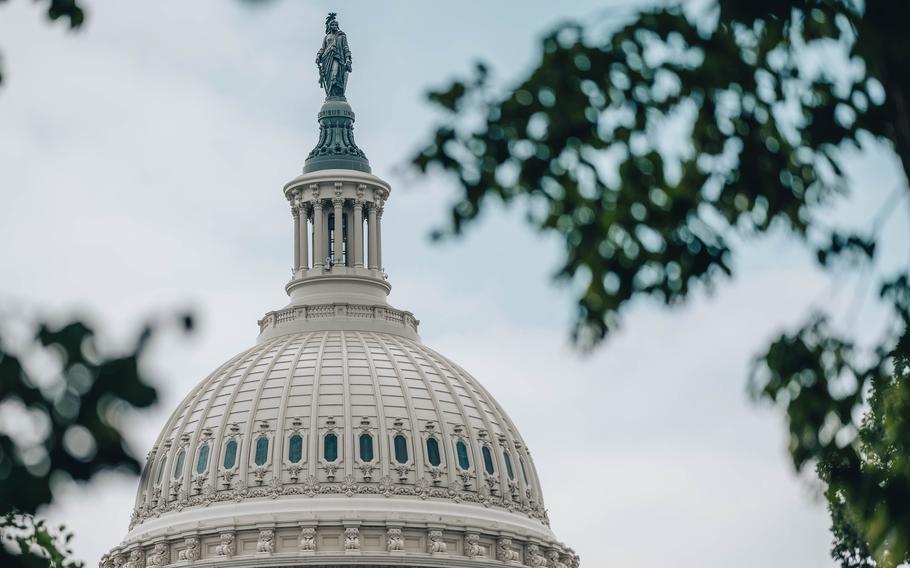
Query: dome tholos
[(339, 439)]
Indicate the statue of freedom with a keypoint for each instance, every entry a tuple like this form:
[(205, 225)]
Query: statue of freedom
[(333, 59)]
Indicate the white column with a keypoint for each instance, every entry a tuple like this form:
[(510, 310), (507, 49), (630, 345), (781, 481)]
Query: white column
[(371, 222), (379, 237), (337, 246), (295, 212), (358, 233), (303, 233), (318, 235)]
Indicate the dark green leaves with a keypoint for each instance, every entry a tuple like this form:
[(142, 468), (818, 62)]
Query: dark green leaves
[(649, 149), (74, 396)]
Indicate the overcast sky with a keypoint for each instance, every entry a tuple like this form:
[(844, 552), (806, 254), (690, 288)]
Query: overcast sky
[(141, 167)]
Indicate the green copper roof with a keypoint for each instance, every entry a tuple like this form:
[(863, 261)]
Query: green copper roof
[(336, 148)]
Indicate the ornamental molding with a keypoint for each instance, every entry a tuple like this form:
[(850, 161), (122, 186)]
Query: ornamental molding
[(338, 310), (310, 486)]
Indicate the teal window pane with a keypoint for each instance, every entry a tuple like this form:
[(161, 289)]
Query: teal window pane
[(202, 462), (524, 473), (433, 452), (366, 447), (262, 451), (462, 451), (295, 448), (330, 447), (230, 454), (178, 465), (508, 460), (161, 469), (401, 449), (488, 460)]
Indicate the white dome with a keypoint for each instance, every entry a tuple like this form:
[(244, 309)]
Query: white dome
[(383, 397), (339, 439)]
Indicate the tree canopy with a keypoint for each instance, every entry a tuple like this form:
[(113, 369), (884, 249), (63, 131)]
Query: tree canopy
[(71, 396), (653, 149)]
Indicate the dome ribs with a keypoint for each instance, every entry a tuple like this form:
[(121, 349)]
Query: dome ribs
[(382, 439), (444, 424), (508, 428), (417, 448), (314, 438), (167, 431), (473, 395), (349, 453), (264, 349), (247, 432), (281, 423)]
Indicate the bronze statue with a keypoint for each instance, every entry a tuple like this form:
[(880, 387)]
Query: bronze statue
[(333, 59)]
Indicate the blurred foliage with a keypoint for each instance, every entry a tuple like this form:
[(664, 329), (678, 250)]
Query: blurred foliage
[(63, 402), (654, 149), (869, 481), (32, 544)]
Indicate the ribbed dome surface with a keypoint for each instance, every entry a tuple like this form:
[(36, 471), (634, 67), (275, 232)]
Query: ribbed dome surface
[(346, 383)]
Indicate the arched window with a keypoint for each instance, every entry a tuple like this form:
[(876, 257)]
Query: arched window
[(330, 447), (295, 448), (230, 454), (401, 449), (433, 452), (488, 460), (524, 473), (161, 470), (202, 462), (178, 465), (366, 447), (462, 450), (508, 460), (262, 450)]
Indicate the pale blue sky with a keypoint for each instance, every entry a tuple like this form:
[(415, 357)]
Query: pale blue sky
[(141, 166)]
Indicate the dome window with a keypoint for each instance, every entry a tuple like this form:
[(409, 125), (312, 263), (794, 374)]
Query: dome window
[(401, 449), (230, 454), (262, 451), (295, 448), (433, 452), (508, 460), (330, 447), (178, 467), (366, 447), (160, 470), (524, 472), (488, 460), (462, 450), (202, 462)]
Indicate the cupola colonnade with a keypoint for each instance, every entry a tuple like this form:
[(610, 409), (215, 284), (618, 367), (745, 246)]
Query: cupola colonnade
[(337, 227)]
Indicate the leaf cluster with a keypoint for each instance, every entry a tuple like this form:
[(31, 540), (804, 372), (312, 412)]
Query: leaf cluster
[(64, 400), (653, 152)]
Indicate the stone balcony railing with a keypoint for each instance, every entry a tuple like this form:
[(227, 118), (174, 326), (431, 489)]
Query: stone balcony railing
[(338, 310)]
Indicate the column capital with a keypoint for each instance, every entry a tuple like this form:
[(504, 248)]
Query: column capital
[(337, 201), (359, 203), (317, 205)]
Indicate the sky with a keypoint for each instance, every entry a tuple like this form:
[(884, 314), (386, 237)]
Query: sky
[(141, 167)]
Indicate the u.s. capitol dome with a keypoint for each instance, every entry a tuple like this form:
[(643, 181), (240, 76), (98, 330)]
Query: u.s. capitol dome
[(339, 439)]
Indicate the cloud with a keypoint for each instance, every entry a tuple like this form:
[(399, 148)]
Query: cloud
[(141, 163)]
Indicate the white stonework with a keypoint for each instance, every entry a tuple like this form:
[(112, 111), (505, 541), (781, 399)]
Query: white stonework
[(339, 438)]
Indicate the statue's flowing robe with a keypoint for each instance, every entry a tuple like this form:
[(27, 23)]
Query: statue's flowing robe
[(333, 60)]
